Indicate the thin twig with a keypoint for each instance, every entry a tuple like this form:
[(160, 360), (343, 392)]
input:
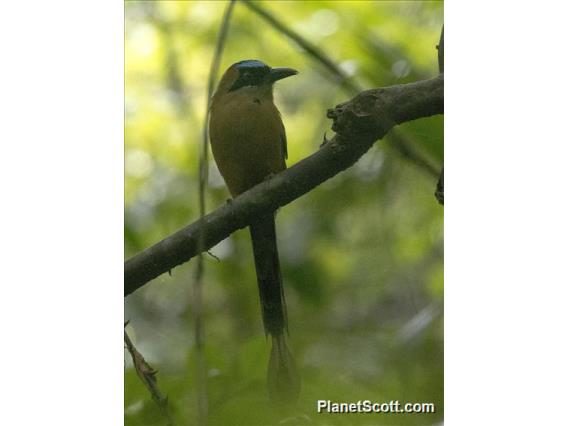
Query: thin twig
[(345, 81), (148, 377), (440, 48), (319, 55), (201, 367), (406, 150), (439, 194), (174, 79)]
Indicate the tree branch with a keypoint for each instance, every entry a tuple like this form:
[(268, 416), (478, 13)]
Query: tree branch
[(358, 124), (148, 376), (439, 194)]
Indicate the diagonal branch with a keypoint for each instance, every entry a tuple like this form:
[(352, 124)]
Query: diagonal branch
[(311, 49), (358, 124), (350, 85)]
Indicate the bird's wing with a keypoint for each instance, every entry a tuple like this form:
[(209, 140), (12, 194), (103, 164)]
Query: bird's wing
[(284, 143)]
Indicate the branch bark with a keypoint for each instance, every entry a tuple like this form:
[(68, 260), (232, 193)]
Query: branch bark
[(358, 123), (439, 194)]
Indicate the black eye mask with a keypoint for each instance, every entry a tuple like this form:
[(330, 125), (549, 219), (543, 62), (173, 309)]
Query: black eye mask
[(250, 76)]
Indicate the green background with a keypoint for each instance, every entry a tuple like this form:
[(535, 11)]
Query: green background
[(362, 254)]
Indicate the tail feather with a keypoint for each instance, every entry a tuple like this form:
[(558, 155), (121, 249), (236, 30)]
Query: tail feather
[(273, 304), (283, 378)]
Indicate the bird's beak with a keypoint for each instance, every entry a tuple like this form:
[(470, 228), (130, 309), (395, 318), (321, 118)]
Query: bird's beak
[(276, 74)]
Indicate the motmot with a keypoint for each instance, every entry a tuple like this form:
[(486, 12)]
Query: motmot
[(248, 141)]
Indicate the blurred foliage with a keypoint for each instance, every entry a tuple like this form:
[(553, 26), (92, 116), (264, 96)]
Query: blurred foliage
[(362, 255)]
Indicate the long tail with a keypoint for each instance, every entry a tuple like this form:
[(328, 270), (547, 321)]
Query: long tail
[(283, 378)]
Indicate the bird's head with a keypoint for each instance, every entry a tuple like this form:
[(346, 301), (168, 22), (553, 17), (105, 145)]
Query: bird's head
[(252, 73)]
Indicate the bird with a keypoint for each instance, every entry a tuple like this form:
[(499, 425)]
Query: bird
[(248, 141)]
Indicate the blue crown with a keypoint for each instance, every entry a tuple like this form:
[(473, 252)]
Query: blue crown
[(251, 63)]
